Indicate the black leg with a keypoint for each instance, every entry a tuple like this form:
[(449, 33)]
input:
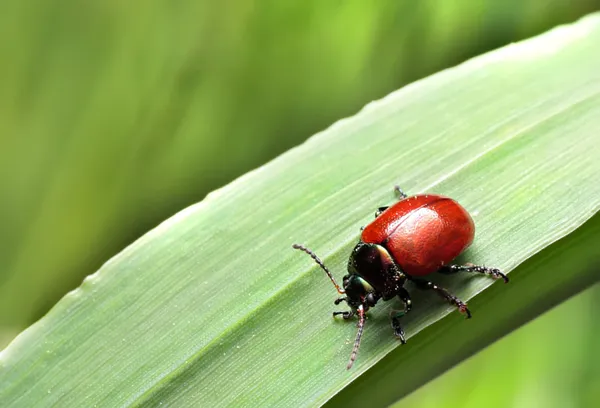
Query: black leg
[(395, 315), (340, 300), (398, 331), (453, 300), (401, 194), (380, 210), (346, 315), (405, 297), (493, 272)]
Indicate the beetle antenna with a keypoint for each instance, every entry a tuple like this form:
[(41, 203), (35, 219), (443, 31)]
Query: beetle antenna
[(361, 326), (321, 264)]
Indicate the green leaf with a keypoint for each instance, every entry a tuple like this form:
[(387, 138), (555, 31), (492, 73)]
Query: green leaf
[(112, 118), (564, 268), (563, 340), (214, 308)]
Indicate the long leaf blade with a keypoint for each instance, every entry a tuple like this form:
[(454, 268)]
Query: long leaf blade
[(214, 308)]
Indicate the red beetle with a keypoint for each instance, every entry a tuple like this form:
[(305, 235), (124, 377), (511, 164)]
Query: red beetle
[(416, 236)]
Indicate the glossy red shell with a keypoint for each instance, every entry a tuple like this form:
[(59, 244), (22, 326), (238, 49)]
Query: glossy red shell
[(422, 232)]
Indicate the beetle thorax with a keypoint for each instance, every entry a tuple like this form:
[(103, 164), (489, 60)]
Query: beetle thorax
[(374, 264)]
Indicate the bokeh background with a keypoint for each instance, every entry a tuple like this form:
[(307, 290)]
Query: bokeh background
[(552, 362), (114, 115)]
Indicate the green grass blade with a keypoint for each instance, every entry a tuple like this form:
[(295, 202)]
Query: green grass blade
[(529, 365), (113, 117), (214, 308), (564, 268)]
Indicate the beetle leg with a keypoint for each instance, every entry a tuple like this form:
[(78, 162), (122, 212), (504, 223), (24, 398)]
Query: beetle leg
[(398, 331), (405, 297), (340, 300), (453, 300), (380, 210), (401, 194), (346, 315), (396, 314), (493, 272)]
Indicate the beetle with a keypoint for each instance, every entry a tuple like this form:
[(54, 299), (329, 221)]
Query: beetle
[(414, 237)]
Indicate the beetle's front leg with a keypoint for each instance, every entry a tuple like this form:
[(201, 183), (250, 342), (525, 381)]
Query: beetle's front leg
[(348, 314), (340, 300)]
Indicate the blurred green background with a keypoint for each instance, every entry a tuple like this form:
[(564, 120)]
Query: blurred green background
[(553, 362), (115, 115)]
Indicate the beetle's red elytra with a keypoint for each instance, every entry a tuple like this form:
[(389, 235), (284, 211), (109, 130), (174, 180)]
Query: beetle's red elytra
[(416, 236), (422, 232)]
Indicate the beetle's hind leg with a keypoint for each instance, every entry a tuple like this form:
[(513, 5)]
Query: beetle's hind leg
[(424, 284), (493, 272)]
